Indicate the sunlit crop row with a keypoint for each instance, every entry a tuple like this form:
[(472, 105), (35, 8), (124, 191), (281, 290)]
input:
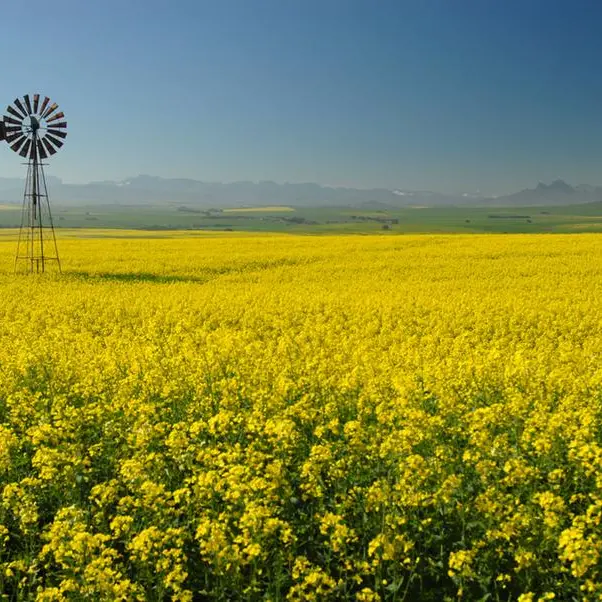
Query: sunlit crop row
[(303, 418)]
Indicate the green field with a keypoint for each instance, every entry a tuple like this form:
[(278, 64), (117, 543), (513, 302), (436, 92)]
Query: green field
[(576, 218)]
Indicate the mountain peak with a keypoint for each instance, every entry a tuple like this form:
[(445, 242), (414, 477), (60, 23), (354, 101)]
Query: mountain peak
[(558, 185)]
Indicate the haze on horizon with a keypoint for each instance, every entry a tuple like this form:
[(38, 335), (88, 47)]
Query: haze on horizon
[(488, 95)]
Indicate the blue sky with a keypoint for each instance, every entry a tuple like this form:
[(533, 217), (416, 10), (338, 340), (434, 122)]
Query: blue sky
[(454, 95)]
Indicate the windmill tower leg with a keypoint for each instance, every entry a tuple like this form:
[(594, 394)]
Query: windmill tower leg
[(23, 250), (50, 224)]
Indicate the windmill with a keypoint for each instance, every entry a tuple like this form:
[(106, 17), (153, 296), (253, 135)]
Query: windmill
[(35, 129)]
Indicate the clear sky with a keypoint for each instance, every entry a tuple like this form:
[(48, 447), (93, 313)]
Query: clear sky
[(453, 95)]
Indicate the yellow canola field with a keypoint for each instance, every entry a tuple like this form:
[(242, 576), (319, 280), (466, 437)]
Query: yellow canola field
[(242, 417)]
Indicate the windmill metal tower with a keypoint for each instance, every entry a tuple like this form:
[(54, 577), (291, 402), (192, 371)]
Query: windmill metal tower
[(35, 130)]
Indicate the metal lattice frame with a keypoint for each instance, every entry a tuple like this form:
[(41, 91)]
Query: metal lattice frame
[(36, 131)]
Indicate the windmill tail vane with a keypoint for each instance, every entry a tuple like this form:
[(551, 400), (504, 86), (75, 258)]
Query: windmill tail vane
[(35, 129)]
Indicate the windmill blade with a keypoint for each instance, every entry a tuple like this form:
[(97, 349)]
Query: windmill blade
[(36, 102), (20, 107), (28, 103), (12, 137), (44, 103), (54, 140), (62, 124), (15, 113), (50, 109), (2, 130), (25, 149), (41, 151), (49, 146), (55, 117), (11, 120), (17, 145), (12, 128), (50, 114), (58, 133)]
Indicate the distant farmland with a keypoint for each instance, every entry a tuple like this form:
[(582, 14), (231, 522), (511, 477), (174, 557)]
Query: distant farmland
[(307, 220)]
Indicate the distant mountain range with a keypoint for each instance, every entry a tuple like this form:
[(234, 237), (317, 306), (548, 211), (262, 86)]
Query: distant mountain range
[(556, 193), (153, 190)]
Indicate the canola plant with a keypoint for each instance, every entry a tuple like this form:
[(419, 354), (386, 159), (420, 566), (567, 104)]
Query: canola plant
[(271, 417)]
